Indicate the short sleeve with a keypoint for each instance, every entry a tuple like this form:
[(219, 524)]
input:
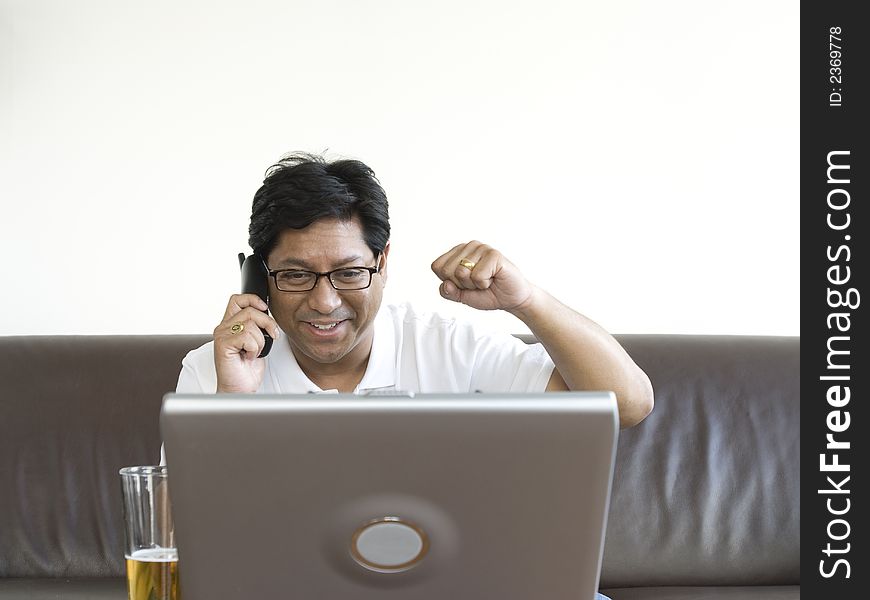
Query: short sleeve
[(198, 374)]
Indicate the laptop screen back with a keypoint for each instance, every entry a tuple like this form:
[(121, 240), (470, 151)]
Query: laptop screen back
[(414, 497)]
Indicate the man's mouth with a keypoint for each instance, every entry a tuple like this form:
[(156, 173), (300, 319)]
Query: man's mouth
[(325, 327)]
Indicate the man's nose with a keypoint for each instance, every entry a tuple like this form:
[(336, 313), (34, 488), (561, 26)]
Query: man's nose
[(324, 298)]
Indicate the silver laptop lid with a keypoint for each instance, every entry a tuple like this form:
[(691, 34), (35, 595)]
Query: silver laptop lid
[(414, 497)]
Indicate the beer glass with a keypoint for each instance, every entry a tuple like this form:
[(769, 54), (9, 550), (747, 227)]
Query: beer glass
[(152, 558)]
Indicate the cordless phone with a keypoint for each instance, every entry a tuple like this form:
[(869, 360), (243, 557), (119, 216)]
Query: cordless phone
[(255, 280)]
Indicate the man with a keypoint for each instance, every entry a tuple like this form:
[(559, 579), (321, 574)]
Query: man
[(322, 231)]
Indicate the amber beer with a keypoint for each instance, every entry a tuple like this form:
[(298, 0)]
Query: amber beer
[(152, 574)]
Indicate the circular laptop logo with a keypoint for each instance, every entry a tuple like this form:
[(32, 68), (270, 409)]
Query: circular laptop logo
[(389, 545)]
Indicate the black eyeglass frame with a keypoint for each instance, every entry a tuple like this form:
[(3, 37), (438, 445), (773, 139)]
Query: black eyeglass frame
[(328, 274)]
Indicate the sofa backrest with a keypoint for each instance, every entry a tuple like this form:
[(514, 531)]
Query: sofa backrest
[(74, 410), (705, 489)]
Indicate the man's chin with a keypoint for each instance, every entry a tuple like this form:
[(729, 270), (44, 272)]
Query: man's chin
[(323, 352)]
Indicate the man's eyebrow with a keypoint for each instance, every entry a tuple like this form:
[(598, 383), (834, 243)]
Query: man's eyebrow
[(292, 263)]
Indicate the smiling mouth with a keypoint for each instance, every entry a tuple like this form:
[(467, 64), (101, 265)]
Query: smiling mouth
[(325, 326)]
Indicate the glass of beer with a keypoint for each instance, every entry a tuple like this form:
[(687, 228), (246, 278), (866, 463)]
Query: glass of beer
[(152, 558)]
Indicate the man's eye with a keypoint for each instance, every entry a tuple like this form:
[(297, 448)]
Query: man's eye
[(295, 276), (349, 274)]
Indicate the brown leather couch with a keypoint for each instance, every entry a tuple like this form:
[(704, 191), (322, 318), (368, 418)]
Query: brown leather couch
[(705, 501)]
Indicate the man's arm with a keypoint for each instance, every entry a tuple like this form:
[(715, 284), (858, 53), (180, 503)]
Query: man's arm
[(586, 356)]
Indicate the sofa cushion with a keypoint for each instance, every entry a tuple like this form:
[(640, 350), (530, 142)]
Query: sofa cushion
[(116, 589), (706, 490), (43, 588), (772, 592)]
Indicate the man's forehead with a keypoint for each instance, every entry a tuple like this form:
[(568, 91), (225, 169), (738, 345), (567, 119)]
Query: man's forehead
[(316, 263), (324, 242)]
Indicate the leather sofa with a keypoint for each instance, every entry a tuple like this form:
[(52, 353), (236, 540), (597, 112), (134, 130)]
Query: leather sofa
[(705, 501)]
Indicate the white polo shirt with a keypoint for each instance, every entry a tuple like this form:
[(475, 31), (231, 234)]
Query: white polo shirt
[(411, 352)]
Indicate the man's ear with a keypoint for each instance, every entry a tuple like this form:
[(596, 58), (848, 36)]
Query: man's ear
[(384, 261)]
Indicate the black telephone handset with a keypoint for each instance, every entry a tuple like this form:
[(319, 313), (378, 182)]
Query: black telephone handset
[(255, 280)]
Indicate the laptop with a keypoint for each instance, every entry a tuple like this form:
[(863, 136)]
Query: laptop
[(418, 497)]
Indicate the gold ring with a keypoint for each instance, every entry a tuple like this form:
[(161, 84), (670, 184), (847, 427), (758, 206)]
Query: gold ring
[(237, 328), (468, 264)]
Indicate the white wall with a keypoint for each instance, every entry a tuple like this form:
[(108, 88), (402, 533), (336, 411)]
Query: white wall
[(637, 159)]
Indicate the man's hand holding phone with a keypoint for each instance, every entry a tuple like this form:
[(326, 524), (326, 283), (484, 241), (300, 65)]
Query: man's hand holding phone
[(238, 341)]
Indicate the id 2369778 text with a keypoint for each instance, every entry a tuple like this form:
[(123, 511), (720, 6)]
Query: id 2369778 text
[(835, 72)]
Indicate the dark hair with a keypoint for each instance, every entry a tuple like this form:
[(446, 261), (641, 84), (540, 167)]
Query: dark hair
[(302, 188)]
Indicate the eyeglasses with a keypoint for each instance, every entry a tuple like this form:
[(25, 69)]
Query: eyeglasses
[(344, 279)]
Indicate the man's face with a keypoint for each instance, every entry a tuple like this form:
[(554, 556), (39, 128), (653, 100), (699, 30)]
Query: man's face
[(307, 318)]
